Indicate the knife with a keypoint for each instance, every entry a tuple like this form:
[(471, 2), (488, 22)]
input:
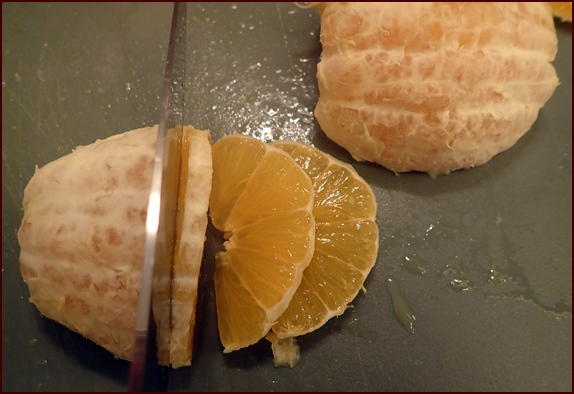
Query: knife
[(160, 233)]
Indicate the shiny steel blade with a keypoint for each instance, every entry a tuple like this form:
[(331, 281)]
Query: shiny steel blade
[(157, 263)]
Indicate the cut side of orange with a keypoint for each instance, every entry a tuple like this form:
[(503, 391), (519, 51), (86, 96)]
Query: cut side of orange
[(262, 201), (346, 242)]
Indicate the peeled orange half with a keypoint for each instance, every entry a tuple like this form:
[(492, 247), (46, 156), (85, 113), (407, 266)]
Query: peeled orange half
[(83, 233), (433, 87)]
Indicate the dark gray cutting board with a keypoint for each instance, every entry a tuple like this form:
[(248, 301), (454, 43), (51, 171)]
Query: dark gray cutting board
[(73, 73)]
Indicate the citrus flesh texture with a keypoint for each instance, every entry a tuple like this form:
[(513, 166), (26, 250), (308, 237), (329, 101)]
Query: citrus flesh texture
[(433, 87), (262, 201), (346, 242)]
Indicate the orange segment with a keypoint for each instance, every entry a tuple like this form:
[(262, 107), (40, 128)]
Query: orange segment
[(271, 246), (230, 151), (263, 203), (236, 326), (273, 187), (346, 242)]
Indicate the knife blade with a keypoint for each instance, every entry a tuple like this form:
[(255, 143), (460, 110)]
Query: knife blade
[(157, 264)]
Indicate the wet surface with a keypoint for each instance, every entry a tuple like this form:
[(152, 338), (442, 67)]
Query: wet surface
[(483, 257)]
